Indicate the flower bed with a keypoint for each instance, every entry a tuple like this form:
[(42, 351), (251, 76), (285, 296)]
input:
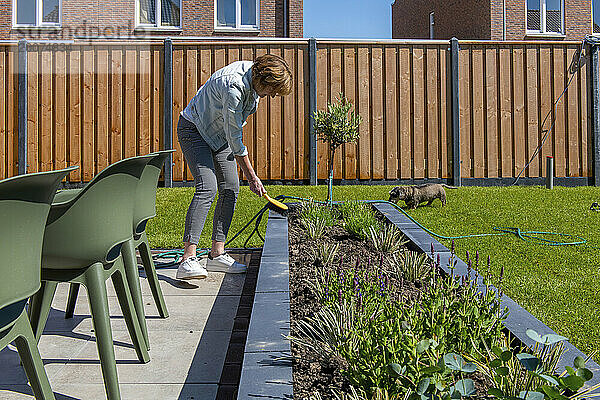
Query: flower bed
[(365, 317)]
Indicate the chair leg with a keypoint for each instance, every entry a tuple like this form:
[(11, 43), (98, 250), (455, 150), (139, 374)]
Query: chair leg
[(127, 307), (32, 361), (150, 270), (73, 292), (97, 297), (39, 307), (133, 280)]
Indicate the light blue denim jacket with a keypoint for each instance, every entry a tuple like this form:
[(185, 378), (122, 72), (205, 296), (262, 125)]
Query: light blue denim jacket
[(221, 106)]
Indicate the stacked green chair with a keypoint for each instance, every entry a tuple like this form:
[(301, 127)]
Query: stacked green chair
[(24, 205), (82, 244), (144, 209)]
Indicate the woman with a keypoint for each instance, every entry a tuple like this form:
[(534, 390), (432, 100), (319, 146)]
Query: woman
[(210, 135)]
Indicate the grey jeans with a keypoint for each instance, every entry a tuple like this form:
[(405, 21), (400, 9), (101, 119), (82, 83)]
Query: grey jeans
[(213, 171)]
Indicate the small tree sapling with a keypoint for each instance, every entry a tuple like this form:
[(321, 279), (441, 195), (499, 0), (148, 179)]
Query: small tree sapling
[(335, 126)]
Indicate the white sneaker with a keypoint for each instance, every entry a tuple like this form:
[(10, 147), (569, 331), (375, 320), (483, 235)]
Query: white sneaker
[(192, 268), (225, 263)]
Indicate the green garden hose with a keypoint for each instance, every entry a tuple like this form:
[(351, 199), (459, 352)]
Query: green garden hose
[(527, 236)]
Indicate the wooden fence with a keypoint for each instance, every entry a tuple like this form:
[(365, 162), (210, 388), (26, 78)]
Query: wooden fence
[(94, 104)]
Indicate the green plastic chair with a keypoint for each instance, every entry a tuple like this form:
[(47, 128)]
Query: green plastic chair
[(24, 205), (82, 244), (144, 209)]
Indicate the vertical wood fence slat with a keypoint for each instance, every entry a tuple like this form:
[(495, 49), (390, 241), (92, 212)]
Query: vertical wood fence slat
[(505, 131), (544, 107), (321, 97), (102, 106), (377, 110), (391, 117), (363, 100), (275, 122), (584, 118), (405, 149), (469, 135), (350, 150), (492, 113), (32, 112), (60, 98), (431, 111), (559, 83), (302, 110), (335, 66), (518, 127), (144, 140), (289, 121), (46, 127), (75, 113), (478, 139), (131, 90), (532, 110), (191, 87), (262, 153), (418, 79), (572, 102), (445, 145), (22, 106), (116, 98), (88, 152)]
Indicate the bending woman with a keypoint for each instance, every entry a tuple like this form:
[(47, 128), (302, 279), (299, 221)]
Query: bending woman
[(210, 134)]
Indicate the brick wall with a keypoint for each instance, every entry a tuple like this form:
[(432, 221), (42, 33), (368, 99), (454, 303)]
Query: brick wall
[(577, 14), (480, 19), (464, 19), (111, 17)]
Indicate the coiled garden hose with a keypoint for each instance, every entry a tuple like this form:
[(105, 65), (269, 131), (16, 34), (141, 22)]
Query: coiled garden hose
[(527, 236)]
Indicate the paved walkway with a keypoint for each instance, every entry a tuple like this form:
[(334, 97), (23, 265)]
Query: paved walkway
[(188, 349)]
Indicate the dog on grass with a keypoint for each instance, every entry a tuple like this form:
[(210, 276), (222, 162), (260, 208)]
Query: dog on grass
[(413, 195)]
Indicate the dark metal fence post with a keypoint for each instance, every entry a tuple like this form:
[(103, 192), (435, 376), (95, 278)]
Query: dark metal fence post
[(22, 117), (312, 107), (595, 108), (168, 110), (454, 85)]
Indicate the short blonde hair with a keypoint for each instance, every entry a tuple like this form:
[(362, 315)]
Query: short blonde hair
[(271, 70)]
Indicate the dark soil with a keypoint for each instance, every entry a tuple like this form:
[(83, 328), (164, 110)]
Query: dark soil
[(311, 373)]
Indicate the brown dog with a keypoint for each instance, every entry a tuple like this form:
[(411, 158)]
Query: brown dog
[(413, 195)]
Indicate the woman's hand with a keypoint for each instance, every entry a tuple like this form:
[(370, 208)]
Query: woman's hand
[(256, 186)]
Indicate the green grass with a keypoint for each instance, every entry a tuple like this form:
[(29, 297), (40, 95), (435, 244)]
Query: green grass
[(560, 285)]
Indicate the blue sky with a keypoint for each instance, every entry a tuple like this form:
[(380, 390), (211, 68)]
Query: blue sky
[(348, 19)]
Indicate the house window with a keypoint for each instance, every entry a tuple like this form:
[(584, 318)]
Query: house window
[(36, 12), (596, 17), (159, 13), (236, 14), (545, 16)]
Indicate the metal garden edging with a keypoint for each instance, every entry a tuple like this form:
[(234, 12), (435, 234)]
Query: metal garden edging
[(267, 365)]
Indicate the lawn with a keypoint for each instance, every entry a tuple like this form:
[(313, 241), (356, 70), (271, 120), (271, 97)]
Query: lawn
[(560, 285)]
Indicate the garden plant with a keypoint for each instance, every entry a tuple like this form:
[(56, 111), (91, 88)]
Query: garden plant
[(335, 126), (442, 341)]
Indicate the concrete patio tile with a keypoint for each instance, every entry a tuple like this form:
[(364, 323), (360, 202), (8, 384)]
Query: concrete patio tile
[(175, 357), (186, 313), (128, 392), (188, 349), (52, 349)]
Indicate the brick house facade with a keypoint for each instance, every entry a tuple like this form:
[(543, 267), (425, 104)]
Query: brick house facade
[(123, 18), (495, 19)]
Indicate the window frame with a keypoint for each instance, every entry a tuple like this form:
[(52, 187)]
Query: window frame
[(38, 16), (158, 16), (592, 15), (542, 30), (238, 19)]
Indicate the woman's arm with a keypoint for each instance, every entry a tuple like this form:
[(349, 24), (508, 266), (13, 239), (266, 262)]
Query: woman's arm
[(256, 185)]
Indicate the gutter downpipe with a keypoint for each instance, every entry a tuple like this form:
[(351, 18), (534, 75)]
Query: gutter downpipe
[(286, 17), (503, 19)]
